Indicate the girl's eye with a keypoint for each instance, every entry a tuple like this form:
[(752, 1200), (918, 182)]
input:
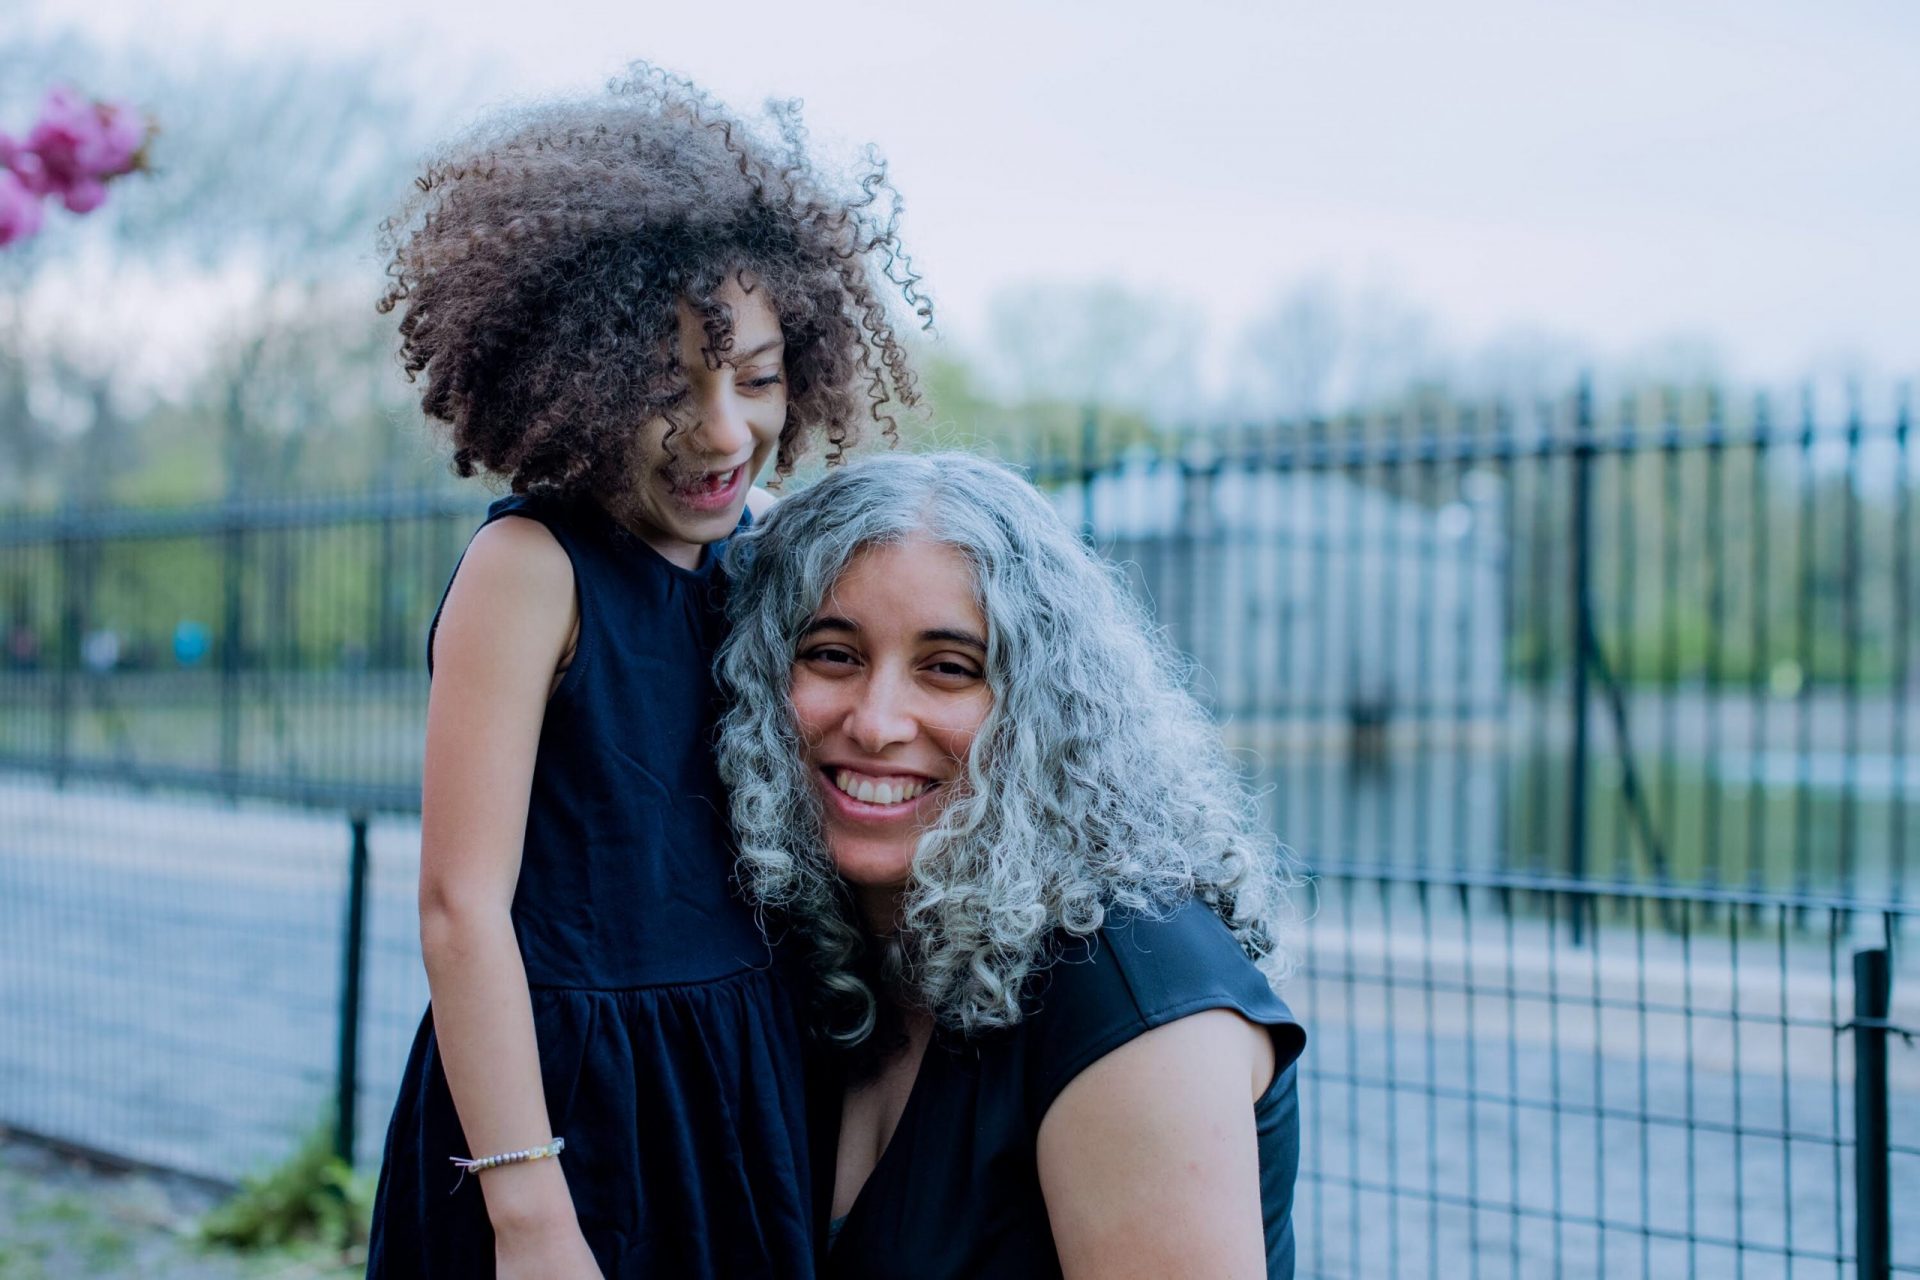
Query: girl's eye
[(956, 669), (761, 384)]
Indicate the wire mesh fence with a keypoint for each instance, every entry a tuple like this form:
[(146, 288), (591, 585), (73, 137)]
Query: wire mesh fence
[(1673, 1096), (172, 984), (1593, 724)]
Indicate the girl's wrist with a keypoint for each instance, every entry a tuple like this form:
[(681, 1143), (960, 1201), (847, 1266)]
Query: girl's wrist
[(528, 1199)]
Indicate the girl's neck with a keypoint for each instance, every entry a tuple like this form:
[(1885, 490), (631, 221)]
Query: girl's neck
[(686, 555)]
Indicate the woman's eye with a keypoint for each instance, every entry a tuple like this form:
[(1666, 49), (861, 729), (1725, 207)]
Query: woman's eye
[(957, 669), (831, 656)]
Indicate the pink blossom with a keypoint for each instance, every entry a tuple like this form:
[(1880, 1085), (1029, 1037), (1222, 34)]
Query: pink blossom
[(123, 132), (84, 195), (20, 211), (25, 165), (76, 145)]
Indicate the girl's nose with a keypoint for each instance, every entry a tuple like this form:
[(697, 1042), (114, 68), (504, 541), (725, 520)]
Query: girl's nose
[(723, 430)]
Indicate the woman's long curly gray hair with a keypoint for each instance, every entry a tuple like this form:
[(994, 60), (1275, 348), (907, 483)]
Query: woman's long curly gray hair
[(1095, 782)]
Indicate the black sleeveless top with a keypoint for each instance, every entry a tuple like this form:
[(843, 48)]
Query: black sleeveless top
[(670, 1042), (957, 1193)]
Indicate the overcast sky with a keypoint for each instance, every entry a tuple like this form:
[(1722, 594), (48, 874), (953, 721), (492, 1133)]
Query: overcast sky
[(1622, 172)]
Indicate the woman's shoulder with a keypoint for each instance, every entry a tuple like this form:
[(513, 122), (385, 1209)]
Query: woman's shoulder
[(1138, 971)]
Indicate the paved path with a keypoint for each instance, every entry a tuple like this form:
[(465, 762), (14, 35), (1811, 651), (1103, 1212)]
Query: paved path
[(170, 971)]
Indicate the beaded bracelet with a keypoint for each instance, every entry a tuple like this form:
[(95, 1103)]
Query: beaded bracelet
[(484, 1163)]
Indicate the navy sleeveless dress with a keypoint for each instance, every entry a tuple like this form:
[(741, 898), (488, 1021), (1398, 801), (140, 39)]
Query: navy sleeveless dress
[(669, 1035), (956, 1194)]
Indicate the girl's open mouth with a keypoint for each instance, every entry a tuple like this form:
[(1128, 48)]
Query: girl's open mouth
[(707, 490)]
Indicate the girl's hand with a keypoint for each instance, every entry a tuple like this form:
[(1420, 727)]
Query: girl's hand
[(554, 1252)]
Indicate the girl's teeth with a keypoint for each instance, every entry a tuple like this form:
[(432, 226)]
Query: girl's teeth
[(706, 482)]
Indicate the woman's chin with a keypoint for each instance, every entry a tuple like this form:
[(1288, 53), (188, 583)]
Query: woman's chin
[(870, 865)]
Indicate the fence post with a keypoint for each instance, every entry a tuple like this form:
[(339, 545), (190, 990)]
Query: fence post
[(351, 949), (1872, 1200), (1089, 466), (66, 653), (1583, 640), (232, 621)]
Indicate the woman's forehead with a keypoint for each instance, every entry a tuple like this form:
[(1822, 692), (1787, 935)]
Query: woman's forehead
[(918, 584)]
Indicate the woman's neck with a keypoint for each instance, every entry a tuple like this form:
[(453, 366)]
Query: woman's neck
[(879, 908)]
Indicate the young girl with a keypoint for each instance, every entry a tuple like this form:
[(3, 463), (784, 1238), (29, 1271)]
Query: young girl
[(625, 308)]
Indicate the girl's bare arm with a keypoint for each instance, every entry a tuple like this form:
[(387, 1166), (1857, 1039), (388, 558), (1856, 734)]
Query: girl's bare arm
[(507, 627)]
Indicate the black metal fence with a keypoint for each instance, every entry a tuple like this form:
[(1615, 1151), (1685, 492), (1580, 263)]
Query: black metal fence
[(267, 649), (1514, 1076), (1592, 722)]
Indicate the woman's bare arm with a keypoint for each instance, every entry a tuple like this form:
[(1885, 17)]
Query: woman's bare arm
[(1148, 1159), (506, 628)]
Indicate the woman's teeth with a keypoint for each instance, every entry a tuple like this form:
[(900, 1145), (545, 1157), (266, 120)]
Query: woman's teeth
[(879, 790)]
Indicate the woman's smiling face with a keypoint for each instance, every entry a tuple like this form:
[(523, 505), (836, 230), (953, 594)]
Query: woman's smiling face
[(889, 689)]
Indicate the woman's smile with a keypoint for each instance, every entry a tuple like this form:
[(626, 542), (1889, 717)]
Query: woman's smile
[(884, 792)]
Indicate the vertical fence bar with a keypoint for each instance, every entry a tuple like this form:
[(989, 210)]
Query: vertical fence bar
[(1583, 640), (1672, 542), (233, 612), (1902, 680), (1537, 769), (1626, 664), (1851, 572), (1804, 583), (1760, 572), (1089, 467), (1872, 1201), (352, 946), (1713, 548), (66, 655)]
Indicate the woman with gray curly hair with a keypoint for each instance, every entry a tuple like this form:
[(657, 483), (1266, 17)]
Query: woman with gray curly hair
[(1042, 914)]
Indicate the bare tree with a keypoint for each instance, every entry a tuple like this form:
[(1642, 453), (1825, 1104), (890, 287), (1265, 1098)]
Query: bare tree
[(1314, 352), (1293, 350), (1096, 343)]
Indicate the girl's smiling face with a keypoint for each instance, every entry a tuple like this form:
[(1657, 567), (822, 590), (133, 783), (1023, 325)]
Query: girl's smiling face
[(889, 689), (691, 481)]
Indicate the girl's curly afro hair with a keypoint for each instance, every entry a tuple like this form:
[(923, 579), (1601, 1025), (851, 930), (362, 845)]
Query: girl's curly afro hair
[(538, 267)]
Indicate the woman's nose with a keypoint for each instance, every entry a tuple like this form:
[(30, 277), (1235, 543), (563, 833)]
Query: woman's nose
[(881, 717)]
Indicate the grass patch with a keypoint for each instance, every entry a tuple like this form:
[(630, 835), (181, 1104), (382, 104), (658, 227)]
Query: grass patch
[(313, 1198)]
